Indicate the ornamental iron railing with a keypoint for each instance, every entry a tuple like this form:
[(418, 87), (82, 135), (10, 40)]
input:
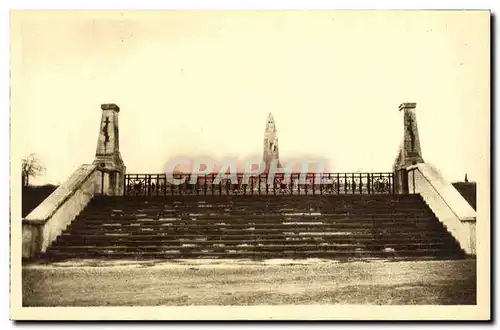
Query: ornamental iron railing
[(263, 184)]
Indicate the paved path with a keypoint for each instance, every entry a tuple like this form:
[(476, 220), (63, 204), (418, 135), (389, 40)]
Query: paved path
[(274, 282)]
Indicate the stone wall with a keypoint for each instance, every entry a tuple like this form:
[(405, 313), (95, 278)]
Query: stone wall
[(42, 226), (446, 203)]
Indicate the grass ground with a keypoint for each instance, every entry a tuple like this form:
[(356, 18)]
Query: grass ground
[(106, 283)]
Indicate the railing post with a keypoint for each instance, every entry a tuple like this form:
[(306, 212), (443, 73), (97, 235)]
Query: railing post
[(297, 183), (393, 184), (212, 185), (157, 184), (260, 184), (274, 184), (413, 177), (165, 184), (267, 184), (136, 180), (353, 184), (306, 185), (124, 184), (102, 183), (149, 184), (313, 184), (321, 185), (172, 186)]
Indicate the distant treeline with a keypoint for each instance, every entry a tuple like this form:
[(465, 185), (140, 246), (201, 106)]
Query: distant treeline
[(32, 196), (468, 191)]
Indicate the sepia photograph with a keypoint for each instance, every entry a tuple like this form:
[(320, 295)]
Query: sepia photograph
[(250, 165)]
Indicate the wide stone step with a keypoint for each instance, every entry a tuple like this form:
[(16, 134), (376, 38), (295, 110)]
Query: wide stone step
[(247, 217), (228, 215), (271, 206), (257, 199), (68, 238), (309, 226), (326, 230), (244, 229), (250, 206), (258, 209), (280, 233), (250, 244), (261, 201), (254, 220), (255, 248), (342, 197), (253, 245), (361, 255), (262, 236), (177, 198)]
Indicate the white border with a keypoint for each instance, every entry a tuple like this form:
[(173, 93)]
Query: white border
[(186, 4)]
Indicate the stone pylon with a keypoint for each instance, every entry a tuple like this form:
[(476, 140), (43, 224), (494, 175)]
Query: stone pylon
[(271, 150), (409, 150), (108, 158)]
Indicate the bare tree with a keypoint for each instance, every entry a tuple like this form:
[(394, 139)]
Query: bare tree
[(31, 167)]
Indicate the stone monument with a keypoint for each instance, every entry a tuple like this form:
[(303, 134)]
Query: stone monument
[(409, 150), (108, 158), (271, 150)]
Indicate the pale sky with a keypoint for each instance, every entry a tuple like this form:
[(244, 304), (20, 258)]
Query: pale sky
[(203, 83)]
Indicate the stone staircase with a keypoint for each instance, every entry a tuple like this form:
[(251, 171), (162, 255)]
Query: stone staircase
[(256, 227)]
